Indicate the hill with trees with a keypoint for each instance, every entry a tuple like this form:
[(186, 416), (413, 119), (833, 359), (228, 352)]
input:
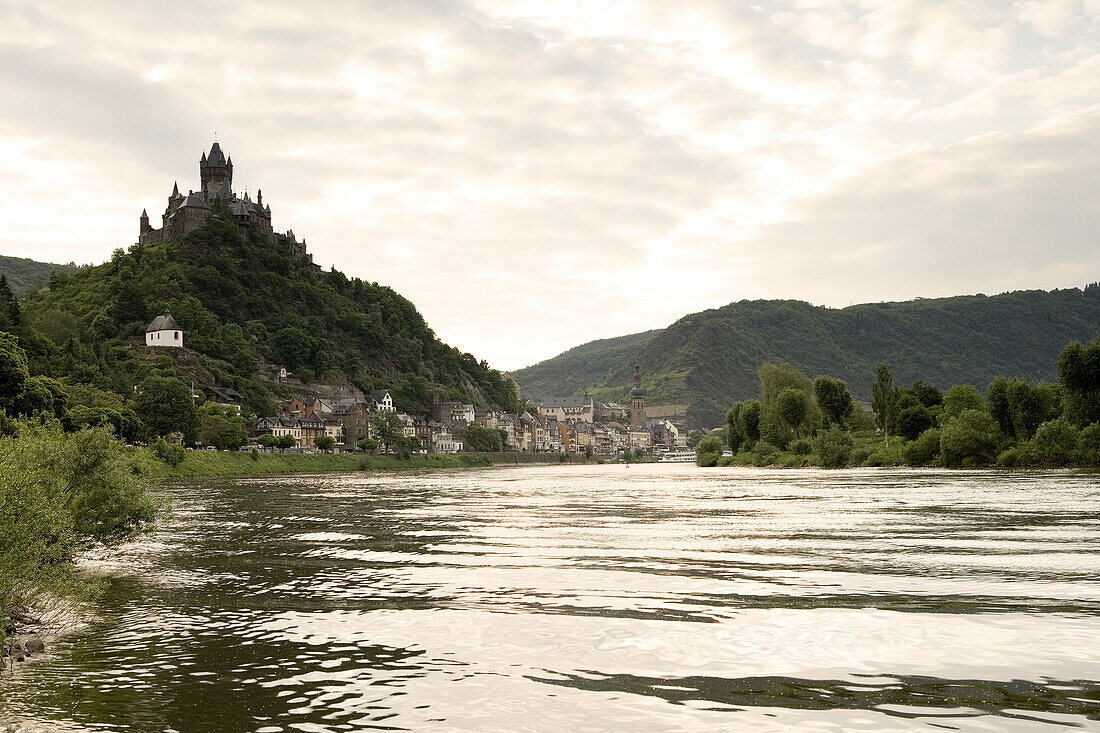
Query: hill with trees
[(711, 359), (25, 275), (247, 306)]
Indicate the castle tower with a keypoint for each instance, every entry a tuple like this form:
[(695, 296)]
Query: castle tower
[(637, 401), (145, 222), (215, 172)]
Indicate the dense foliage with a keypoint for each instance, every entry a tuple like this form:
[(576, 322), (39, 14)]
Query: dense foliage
[(1015, 423), (710, 359), (247, 306), (60, 493)]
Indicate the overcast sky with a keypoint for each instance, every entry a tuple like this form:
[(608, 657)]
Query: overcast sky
[(536, 175)]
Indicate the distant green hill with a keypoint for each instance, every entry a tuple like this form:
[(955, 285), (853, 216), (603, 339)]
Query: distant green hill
[(26, 275), (581, 367), (710, 359), (246, 305)]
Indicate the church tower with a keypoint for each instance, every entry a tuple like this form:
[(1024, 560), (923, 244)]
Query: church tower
[(637, 402), (216, 174)]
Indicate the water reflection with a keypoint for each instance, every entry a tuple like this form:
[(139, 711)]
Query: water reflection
[(484, 600)]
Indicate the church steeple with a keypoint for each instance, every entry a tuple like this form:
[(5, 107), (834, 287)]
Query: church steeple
[(637, 400)]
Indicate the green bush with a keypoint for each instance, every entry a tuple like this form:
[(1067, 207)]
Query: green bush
[(61, 493), (801, 447), (1088, 445), (708, 451), (1054, 444), (172, 455), (726, 461), (763, 449), (924, 450), (880, 457), (834, 447), (1014, 456), (972, 437)]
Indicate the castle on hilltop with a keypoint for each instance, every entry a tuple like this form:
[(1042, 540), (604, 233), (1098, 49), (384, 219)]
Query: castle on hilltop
[(215, 199)]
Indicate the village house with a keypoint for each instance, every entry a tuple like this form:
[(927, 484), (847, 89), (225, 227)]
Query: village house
[(223, 396), (280, 426), (382, 400), (582, 433), (610, 411), (306, 406), (444, 442), (638, 438), (567, 409), (355, 418)]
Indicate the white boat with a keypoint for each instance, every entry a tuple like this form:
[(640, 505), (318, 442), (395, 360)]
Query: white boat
[(678, 456)]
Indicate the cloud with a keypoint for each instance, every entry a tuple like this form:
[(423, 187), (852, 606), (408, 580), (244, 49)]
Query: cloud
[(533, 175)]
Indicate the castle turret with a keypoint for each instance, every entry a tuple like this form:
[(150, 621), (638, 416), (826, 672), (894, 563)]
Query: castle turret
[(215, 172), (145, 228)]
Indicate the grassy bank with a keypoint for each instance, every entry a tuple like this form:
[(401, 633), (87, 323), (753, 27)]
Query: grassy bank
[(202, 463)]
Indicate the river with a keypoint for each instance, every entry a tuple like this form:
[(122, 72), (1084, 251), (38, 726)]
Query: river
[(593, 598)]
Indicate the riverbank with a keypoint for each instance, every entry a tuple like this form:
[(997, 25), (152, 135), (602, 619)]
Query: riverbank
[(204, 463)]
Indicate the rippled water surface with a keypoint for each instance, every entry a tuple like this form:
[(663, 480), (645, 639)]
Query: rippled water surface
[(602, 598)]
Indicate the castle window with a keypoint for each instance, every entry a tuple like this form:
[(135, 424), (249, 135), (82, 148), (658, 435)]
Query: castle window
[(176, 336)]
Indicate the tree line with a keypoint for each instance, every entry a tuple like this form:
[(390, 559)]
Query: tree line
[(799, 422)]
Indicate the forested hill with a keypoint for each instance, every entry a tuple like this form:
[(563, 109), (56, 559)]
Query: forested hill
[(710, 359), (571, 372), (25, 275), (246, 306)]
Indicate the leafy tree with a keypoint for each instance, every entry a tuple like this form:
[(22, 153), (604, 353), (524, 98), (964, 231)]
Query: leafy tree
[(388, 430), (62, 493), (286, 441), (407, 444), (1079, 374), (293, 347), (959, 399), (774, 378), (926, 394), (367, 445), (172, 455), (41, 396), (694, 437), (221, 427), (1054, 444), (129, 303), (793, 405), (748, 417), (268, 441), (925, 449), (970, 438), (773, 429), (734, 435), (325, 442), (10, 316), (13, 370), (708, 451), (1088, 446), (834, 447), (164, 405), (482, 439), (883, 399), (913, 420), (833, 398)]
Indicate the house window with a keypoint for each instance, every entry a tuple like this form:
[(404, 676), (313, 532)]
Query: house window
[(177, 336)]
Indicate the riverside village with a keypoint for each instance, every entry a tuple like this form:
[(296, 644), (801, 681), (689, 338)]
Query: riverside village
[(342, 418)]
